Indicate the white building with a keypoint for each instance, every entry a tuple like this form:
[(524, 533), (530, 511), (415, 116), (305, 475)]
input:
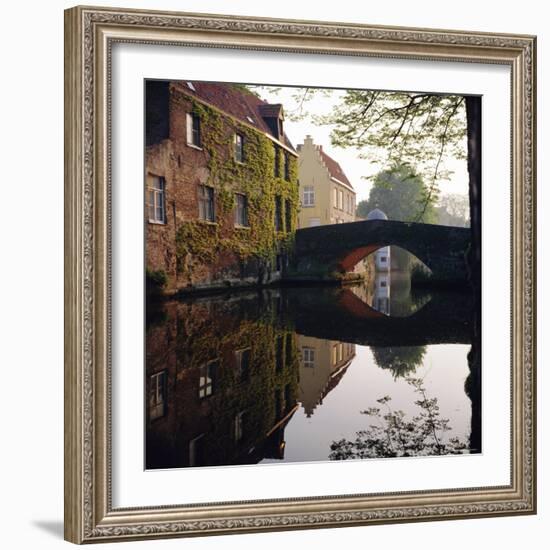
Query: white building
[(382, 257)]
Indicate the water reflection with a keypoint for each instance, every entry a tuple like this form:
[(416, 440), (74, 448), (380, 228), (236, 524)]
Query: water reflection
[(390, 293), (280, 375)]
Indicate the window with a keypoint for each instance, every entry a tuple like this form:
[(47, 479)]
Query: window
[(287, 167), (288, 396), (242, 358), (288, 215), (241, 210), (206, 203), (156, 186), (335, 203), (207, 374), (383, 284), (277, 161), (278, 404), (193, 129), (314, 222), (288, 349), (238, 425), (341, 200), (196, 451), (335, 354), (383, 259), (309, 195), (278, 213), (309, 357), (279, 264), (238, 145), (157, 395), (279, 353)]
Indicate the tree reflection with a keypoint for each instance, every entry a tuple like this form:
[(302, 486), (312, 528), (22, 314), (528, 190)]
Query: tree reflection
[(395, 436), (401, 360)]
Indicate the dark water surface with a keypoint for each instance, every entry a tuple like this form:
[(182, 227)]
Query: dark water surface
[(283, 375)]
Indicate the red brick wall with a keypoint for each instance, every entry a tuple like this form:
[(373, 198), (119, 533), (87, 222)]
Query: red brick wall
[(184, 169)]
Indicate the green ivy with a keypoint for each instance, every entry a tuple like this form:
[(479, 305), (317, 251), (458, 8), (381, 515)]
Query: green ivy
[(200, 242)]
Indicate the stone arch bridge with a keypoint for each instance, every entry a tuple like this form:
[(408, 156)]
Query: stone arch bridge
[(330, 252)]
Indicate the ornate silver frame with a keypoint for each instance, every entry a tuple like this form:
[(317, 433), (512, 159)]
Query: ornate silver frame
[(89, 34)]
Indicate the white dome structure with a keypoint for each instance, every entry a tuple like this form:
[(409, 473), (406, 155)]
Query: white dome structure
[(376, 214)]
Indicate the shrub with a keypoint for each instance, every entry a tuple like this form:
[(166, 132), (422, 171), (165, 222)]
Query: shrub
[(156, 278), (420, 273)]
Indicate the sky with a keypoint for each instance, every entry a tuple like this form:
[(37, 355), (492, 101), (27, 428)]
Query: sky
[(354, 167)]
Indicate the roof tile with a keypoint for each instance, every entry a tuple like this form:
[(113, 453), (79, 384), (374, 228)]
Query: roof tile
[(236, 101)]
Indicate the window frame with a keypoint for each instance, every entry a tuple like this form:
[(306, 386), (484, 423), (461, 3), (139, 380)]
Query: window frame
[(238, 148), (243, 222), (193, 130), (160, 382), (206, 205), (308, 357), (244, 373), (207, 387), (286, 168), (157, 194), (287, 215), (308, 196), (279, 220), (277, 162)]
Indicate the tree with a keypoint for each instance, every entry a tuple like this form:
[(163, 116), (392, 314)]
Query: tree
[(454, 210), (401, 360), (393, 435), (420, 129), (400, 192)]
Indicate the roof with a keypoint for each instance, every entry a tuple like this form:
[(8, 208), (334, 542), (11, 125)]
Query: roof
[(335, 170), (237, 102), (376, 214)]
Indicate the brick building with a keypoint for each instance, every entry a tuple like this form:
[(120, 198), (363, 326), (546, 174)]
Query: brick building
[(221, 383), (221, 187)]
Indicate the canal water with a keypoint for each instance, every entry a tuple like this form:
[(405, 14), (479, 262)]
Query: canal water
[(312, 373)]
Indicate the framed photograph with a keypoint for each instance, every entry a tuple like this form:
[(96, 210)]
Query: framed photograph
[(300, 274)]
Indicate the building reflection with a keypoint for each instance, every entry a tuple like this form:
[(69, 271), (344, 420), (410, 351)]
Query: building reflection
[(226, 374), (382, 292), (220, 389), (323, 363)]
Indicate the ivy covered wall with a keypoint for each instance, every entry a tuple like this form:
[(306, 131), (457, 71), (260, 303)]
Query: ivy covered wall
[(194, 253), (188, 336)]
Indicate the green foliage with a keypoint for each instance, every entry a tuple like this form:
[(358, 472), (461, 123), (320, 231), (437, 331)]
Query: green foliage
[(393, 435), (421, 129), (156, 278), (199, 242), (214, 330), (401, 193), (400, 360), (415, 128), (420, 273)]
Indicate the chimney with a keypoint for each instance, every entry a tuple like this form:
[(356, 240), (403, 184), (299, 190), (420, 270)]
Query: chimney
[(308, 141)]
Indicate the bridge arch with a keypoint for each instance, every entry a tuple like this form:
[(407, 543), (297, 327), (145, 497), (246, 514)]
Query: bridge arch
[(329, 252)]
